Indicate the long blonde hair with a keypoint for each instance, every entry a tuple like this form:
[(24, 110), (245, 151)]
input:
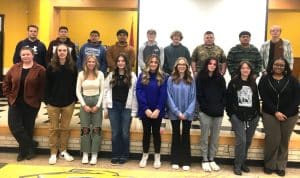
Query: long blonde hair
[(85, 68), (187, 78), (160, 77)]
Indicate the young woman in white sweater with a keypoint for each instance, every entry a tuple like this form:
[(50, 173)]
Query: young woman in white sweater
[(89, 90)]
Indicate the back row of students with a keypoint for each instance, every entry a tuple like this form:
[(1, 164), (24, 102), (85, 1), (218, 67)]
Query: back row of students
[(274, 48), (153, 89)]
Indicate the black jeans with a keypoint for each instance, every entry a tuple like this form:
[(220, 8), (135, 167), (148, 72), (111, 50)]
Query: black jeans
[(153, 124), (21, 120), (181, 146)]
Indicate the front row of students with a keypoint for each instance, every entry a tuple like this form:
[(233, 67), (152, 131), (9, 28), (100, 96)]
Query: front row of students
[(123, 96)]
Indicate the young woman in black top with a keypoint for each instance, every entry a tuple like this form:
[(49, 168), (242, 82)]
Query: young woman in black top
[(242, 106), (280, 92)]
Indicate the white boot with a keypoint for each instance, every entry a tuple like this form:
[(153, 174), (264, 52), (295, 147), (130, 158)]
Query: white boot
[(85, 158), (157, 162), (94, 159), (143, 162)]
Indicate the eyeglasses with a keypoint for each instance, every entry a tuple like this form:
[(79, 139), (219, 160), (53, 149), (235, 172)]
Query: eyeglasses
[(278, 65)]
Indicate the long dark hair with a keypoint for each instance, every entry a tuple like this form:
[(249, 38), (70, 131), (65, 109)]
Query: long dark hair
[(55, 64), (203, 74), (127, 74), (238, 80), (287, 70)]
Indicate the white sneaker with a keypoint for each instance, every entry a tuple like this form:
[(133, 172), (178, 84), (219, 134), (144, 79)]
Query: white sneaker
[(52, 159), (85, 158), (157, 162), (214, 166), (143, 162), (206, 167), (175, 166), (65, 155), (186, 168), (94, 159)]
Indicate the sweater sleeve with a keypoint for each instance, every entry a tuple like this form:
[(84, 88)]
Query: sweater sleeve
[(109, 58), (163, 96), (17, 57), (141, 57), (49, 53), (290, 57), (105, 92), (48, 85), (231, 100), (79, 89), (264, 94), (171, 104), (134, 105), (103, 64), (79, 61), (192, 100), (141, 95), (258, 62), (7, 84), (101, 88), (199, 90), (295, 101)]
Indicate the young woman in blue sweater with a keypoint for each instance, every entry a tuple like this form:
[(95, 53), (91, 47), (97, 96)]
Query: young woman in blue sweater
[(151, 92), (211, 95), (181, 103)]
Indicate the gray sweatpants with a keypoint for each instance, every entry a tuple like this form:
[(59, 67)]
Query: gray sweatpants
[(244, 132), (209, 125)]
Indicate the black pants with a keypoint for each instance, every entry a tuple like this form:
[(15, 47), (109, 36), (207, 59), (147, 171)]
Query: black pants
[(181, 146), (21, 120), (154, 125)]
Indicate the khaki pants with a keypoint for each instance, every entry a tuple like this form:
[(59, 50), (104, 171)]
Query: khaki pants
[(59, 131)]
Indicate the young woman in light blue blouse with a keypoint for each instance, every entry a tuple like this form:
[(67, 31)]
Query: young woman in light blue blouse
[(181, 103)]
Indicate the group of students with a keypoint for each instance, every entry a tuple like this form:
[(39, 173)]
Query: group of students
[(151, 96)]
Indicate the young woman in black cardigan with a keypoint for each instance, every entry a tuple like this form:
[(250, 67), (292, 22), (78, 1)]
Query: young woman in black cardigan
[(280, 92)]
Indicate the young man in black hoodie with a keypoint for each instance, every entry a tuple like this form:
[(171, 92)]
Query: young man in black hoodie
[(38, 47), (62, 38)]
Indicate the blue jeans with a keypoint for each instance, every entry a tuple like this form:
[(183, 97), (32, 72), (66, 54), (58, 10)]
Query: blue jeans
[(120, 120)]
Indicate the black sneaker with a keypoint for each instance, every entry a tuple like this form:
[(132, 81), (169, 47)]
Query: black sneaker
[(122, 161), (237, 171), (245, 168), (30, 155), (114, 162), (21, 157), (280, 172), (267, 170)]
